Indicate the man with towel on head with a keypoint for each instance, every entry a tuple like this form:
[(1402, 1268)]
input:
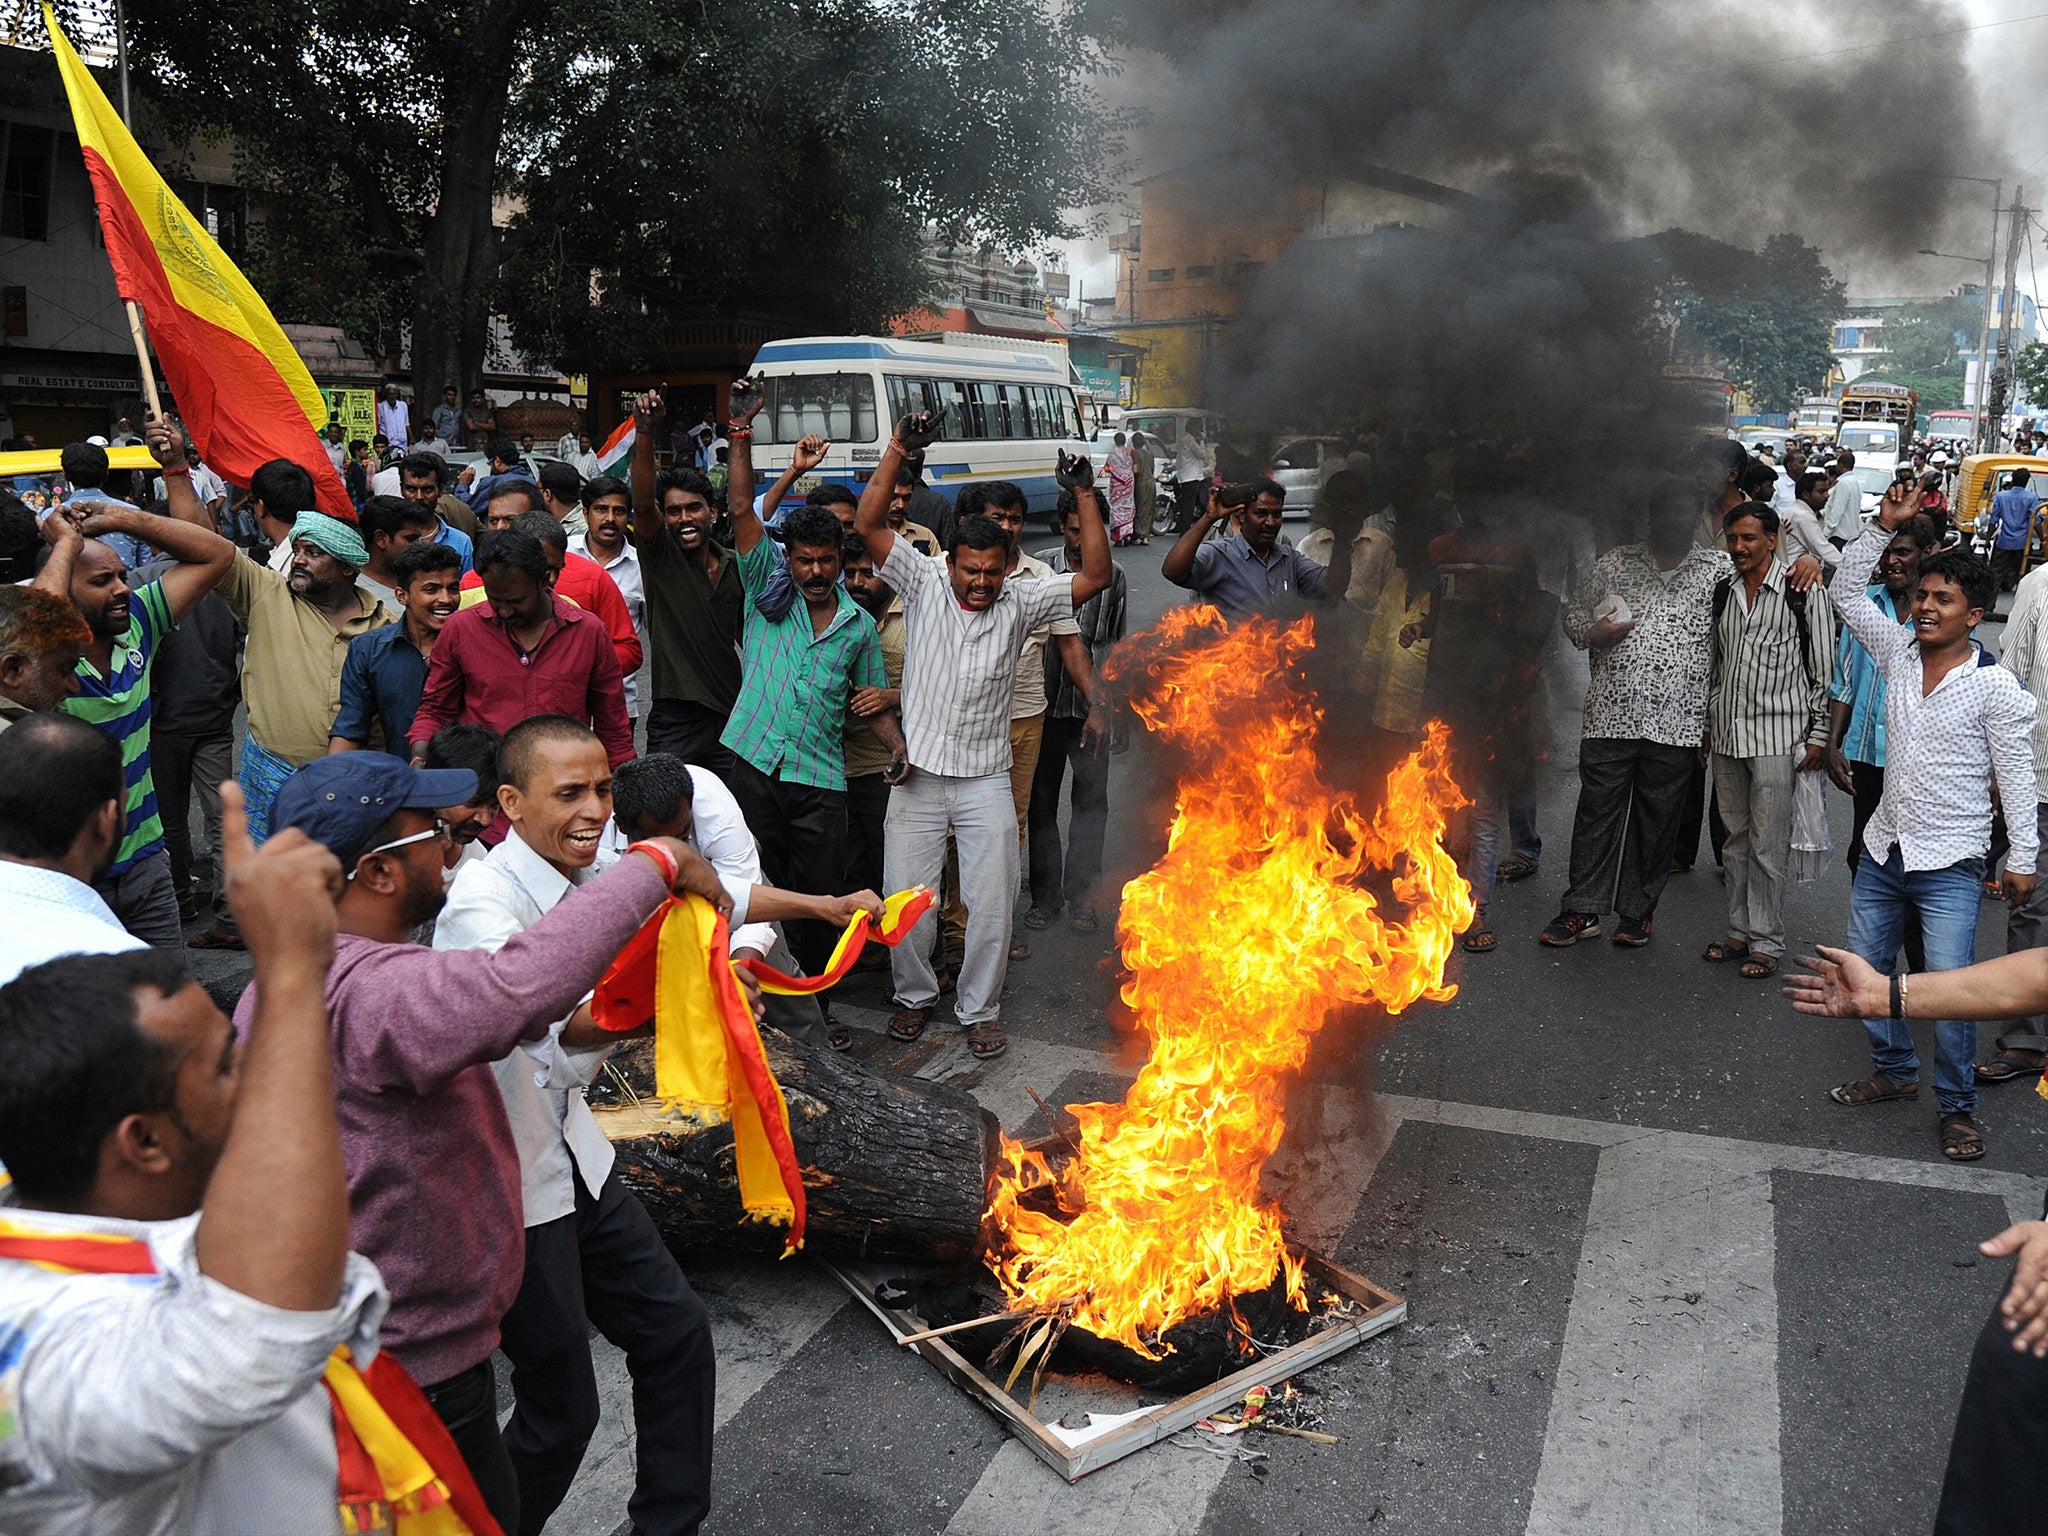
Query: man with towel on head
[(300, 621)]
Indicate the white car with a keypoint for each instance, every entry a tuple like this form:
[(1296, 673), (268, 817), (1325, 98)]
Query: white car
[(1301, 465)]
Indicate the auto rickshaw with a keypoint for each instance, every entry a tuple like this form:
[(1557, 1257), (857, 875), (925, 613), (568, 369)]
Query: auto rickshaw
[(1983, 476), (32, 474)]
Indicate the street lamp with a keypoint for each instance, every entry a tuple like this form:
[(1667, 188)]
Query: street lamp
[(1983, 336)]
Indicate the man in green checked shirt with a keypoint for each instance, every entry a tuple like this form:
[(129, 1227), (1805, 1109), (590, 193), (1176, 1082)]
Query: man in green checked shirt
[(800, 666), (127, 624)]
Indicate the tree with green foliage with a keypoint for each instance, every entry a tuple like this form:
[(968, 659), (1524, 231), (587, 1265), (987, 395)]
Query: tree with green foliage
[(1765, 317), (2030, 367), (784, 155), (726, 152), (1924, 346)]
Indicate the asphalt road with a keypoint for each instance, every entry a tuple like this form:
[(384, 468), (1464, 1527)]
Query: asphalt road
[(1657, 1283)]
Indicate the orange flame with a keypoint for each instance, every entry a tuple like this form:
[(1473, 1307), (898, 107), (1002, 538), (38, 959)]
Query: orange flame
[(1239, 942)]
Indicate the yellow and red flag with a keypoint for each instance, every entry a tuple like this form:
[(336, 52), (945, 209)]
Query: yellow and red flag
[(244, 394), (396, 1467)]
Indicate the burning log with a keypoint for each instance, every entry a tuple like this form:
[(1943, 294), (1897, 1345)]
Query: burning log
[(894, 1167)]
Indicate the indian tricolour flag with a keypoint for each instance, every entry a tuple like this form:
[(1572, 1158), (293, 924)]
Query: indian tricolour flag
[(615, 458)]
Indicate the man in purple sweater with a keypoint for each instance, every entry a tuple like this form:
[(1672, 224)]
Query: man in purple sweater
[(433, 1171)]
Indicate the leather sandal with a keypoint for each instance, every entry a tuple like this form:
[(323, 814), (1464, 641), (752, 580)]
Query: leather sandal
[(1878, 1088), (2009, 1064), (907, 1024), (1962, 1139), (986, 1040)]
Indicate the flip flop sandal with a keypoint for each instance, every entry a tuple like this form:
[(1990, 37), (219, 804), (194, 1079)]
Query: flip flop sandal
[(1085, 921), (1757, 967), (1020, 951), (2006, 1066), (1480, 942), (1518, 868), (986, 1040), (907, 1024), (1875, 1089), (1038, 918), (839, 1037), (1962, 1141), (220, 936), (1723, 950)]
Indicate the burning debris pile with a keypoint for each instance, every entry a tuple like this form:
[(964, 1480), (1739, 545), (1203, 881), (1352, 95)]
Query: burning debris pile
[(1278, 900)]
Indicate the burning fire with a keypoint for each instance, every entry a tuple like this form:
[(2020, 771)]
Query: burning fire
[(1239, 942)]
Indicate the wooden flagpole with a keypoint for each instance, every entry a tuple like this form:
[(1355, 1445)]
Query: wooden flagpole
[(141, 339)]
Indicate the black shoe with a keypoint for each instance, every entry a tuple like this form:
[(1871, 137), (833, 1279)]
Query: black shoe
[(1567, 928), (1632, 932)]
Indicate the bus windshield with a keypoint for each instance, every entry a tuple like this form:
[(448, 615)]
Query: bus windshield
[(1869, 439), (837, 406)]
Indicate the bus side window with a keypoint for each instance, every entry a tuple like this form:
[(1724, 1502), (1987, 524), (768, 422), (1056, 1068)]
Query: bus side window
[(1068, 412), (981, 410)]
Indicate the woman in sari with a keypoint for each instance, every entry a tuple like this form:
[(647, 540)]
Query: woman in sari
[(1122, 467)]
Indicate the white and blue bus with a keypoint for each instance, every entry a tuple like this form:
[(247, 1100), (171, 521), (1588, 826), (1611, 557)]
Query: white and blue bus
[(1007, 413)]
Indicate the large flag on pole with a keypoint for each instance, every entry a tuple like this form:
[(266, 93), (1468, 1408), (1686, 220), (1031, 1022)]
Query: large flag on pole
[(244, 394)]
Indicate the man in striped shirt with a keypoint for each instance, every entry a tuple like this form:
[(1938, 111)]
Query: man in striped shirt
[(1767, 721), (798, 674), (127, 626), (966, 629)]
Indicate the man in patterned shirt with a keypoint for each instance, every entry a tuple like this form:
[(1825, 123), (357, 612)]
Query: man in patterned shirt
[(799, 672), (1646, 613), (1954, 721), (127, 626)]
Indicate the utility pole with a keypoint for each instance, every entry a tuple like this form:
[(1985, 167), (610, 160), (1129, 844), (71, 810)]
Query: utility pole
[(1978, 434), (2001, 376), (121, 57)]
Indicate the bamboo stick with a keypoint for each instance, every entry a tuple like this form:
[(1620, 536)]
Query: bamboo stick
[(972, 1322), (141, 340)]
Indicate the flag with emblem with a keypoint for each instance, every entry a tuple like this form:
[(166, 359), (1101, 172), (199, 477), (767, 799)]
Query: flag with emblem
[(243, 393)]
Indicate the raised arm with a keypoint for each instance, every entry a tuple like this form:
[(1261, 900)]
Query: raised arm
[(274, 1223), (871, 517), (1179, 564), (748, 396), (203, 556), (1078, 476), (806, 456), (647, 525), (166, 442), (1890, 645)]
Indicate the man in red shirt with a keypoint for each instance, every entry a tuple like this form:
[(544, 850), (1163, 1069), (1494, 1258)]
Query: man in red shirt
[(578, 578), (522, 652)]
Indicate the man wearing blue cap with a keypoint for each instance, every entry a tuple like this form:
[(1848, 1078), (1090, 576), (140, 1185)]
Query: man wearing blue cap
[(433, 1171)]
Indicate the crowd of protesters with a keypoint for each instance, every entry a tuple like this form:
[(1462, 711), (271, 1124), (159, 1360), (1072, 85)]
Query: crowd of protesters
[(490, 721)]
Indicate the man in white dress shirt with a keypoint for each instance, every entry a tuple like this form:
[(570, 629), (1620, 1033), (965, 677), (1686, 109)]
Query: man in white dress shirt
[(966, 629), (1955, 723), (592, 1253), (61, 800)]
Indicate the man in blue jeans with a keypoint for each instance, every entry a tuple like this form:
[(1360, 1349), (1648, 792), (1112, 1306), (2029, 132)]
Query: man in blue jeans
[(1953, 719)]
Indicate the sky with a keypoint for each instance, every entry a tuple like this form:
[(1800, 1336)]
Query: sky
[(2007, 54)]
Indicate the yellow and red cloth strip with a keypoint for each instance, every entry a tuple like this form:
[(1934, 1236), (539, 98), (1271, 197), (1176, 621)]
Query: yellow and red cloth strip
[(242, 390), (708, 1058), (396, 1465)]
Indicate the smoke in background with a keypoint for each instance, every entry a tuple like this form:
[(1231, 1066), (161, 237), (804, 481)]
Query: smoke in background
[(1576, 126)]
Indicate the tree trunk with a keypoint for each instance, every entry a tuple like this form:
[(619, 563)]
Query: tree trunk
[(452, 305), (893, 1167)]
